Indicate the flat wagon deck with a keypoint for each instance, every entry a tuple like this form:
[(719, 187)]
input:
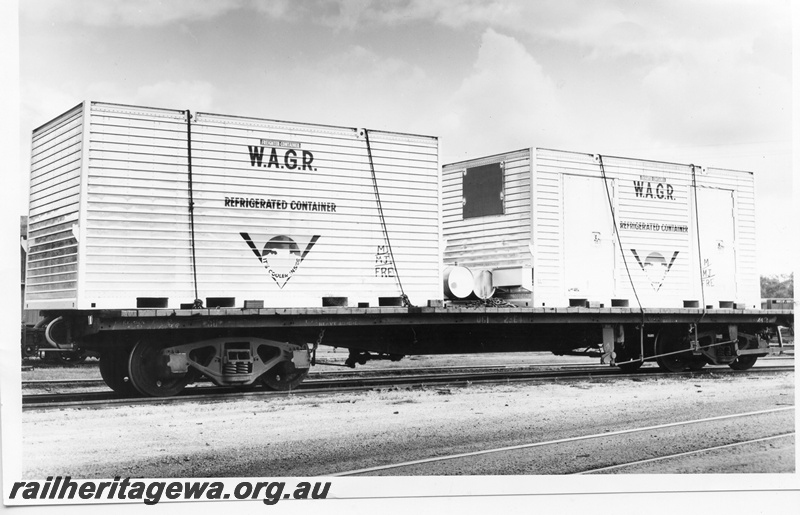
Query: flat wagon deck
[(159, 351), (235, 318)]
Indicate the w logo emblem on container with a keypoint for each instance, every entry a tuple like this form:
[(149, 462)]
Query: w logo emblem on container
[(281, 256), (655, 267)]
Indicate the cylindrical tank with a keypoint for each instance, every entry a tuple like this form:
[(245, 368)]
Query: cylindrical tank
[(458, 282), (482, 285)]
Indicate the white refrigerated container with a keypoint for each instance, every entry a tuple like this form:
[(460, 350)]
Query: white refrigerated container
[(283, 213)]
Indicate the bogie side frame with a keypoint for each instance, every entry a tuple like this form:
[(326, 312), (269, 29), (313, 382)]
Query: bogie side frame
[(157, 352)]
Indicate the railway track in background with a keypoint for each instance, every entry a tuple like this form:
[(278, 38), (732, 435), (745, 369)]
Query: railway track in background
[(339, 374), (349, 382), (657, 448)]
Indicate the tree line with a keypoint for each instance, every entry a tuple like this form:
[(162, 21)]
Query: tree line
[(777, 286)]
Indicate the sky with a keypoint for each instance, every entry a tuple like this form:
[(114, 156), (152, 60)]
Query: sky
[(701, 81)]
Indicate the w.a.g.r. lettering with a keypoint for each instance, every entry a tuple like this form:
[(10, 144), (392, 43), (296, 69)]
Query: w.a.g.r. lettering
[(288, 159), (657, 190)]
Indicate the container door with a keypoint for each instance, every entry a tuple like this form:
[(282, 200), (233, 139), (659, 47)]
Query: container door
[(588, 238), (717, 239)]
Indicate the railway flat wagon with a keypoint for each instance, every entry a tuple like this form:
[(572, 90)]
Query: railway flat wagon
[(183, 245)]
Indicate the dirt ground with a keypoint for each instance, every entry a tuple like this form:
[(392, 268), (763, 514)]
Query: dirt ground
[(316, 435)]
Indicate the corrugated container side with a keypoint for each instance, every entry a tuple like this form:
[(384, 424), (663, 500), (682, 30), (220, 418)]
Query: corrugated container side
[(735, 191), (655, 230), (54, 208), (283, 212), (652, 213), (263, 187), (137, 232), (656, 221), (495, 240), (645, 250)]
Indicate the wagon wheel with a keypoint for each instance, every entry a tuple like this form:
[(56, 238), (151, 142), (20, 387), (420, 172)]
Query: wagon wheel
[(284, 376), (114, 371), (150, 374), (743, 362), (667, 342), (748, 360)]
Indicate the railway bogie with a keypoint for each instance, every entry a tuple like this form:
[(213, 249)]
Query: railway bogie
[(680, 347), (153, 367)]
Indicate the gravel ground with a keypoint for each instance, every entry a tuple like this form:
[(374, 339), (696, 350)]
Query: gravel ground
[(323, 434)]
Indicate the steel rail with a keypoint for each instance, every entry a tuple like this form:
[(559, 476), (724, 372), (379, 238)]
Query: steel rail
[(349, 373), (687, 453), (334, 386), (404, 370), (552, 442)]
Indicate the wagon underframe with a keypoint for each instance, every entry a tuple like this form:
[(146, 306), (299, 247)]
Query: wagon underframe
[(158, 352)]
